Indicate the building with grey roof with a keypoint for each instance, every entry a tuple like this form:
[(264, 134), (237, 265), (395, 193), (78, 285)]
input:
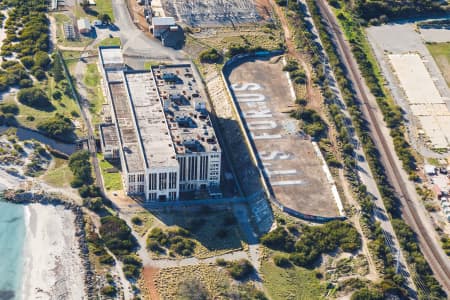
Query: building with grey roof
[(163, 132)]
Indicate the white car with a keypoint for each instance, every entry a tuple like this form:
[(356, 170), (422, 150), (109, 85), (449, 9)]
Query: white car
[(97, 23)]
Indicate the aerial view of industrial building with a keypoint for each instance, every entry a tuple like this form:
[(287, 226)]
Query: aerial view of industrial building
[(160, 130)]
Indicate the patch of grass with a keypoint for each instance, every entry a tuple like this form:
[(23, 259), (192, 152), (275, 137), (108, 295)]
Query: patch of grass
[(151, 63), (112, 180), (215, 280), (95, 94), (441, 54), (214, 232), (104, 7), (64, 106), (101, 7), (59, 175), (146, 222), (291, 283), (92, 77), (114, 41), (70, 59)]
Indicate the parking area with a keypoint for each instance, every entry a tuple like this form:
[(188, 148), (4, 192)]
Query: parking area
[(415, 81), (290, 162)]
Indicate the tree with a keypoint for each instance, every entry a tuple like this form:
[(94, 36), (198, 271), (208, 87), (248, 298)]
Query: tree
[(57, 126), (34, 97), (210, 56), (192, 289), (27, 61), (105, 18), (41, 59), (366, 294)]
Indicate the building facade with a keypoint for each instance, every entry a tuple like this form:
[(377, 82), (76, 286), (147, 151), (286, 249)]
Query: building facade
[(160, 129)]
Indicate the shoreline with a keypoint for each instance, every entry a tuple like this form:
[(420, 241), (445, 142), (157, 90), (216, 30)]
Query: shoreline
[(51, 263), (55, 253)]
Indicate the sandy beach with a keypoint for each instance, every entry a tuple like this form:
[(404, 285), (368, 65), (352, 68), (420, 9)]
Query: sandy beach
[(52, 266)]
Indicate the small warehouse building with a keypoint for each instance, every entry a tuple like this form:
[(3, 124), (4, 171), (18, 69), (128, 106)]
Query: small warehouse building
[(173, 37), (161, 24), (83, 26)]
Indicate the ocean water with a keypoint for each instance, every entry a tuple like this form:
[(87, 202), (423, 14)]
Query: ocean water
[(12, 238)]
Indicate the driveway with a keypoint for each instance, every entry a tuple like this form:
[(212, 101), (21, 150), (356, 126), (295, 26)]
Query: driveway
[(135, 43)]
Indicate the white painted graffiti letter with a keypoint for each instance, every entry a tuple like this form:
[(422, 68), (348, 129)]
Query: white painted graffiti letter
[(239, 87), (262, 125)]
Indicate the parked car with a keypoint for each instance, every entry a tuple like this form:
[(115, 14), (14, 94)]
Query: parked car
[(97, 23)]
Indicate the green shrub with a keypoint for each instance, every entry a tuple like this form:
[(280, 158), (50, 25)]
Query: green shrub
[(117, 236), (281, 261), (278, 239), (39, 74), (240, 269), (41, 59), (58, 126), (57, 95), (9, 107), (210, 56), (25, 83), (27, 61), (57, 69), (221, 262), (136, 220), (109, 290), (107, 260), (366, 294), (34, 97)]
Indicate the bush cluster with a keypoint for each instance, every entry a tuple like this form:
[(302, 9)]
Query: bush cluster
[(210, 56), (58, 127), (313, 242), (117, 236), (313, 124), (34, 97), (239, 270), (375, 11), (176, 240), (297, 75)]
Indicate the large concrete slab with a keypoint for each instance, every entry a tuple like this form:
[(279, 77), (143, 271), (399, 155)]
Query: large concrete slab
[(290, 162), (415, 82)]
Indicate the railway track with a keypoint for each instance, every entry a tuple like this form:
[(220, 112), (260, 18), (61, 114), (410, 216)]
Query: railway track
[(432, 251)]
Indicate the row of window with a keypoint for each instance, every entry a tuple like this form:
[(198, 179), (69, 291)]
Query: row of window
[(154, 196), (194, 168), (132, 178)]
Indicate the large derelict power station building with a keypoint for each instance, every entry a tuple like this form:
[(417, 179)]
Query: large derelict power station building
[(159, 128)]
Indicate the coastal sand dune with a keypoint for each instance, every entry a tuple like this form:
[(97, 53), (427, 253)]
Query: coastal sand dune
[(52, 266)]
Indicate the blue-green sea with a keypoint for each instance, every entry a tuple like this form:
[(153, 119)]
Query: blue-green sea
[(12, 238)]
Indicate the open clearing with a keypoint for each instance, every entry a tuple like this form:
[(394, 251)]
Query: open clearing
[(291, 283), (288, 160)]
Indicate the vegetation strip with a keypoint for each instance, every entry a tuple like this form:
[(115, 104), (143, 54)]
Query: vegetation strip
[(406, 236)]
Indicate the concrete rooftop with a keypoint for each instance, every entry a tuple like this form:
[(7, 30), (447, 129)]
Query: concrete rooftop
[(151, 124), (185, 110), (111, 55)]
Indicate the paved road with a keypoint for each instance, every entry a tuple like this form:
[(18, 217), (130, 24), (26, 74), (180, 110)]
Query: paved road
[(135, 42), (412, 211)]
